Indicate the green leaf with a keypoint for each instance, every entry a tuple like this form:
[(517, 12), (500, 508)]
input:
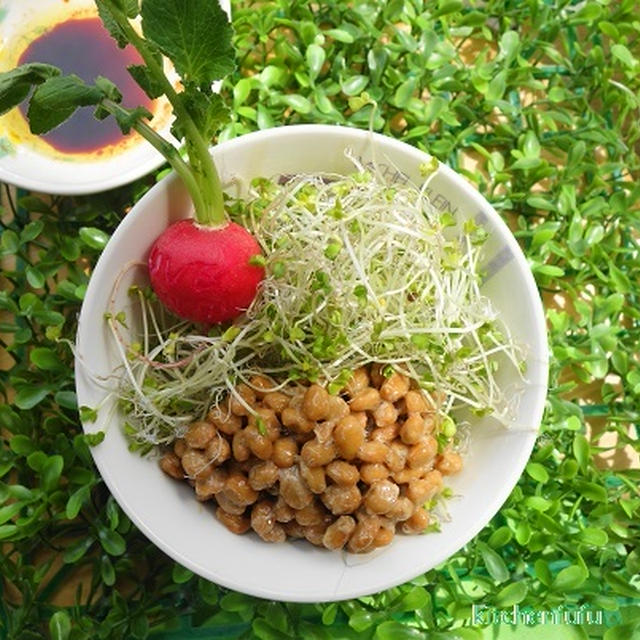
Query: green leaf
[(354, 85), (297, 103), (36, 460), (69, 248), (76, 501), (494, 563), (621, 585), (362, 619), (629, 631), (87, 414), (570, 578), (557, 94), (48, 317), (497, 86), (341, 35), (241, 90), (208, 111), (108, 89), (22, 445), (513, 593), (404, 92), (264, 119), (537, 471), (315, 57), (51, 471), (66, 399), (77, 550), (140, 627), (113, 513), (393, 630), (149, 83), (543, 573), (209, 591), (581, 450), (377, 59), (632, 563), (619, 279), (531, 146), (500, 537), (60, 625), (94, 237), (622, 53), (45, 359), (549, 270), (32, 230), (234, 601), (9, 511), (509, 44), (56, 99), (180, 574), (7, 531), (111, 23), (28, 397), (592, 491), (10, 241), (594, 537), (131, 7), (194, 34), (128, 118), (539, 202), (107, 572), (16, 84), (112, 542), (416, 598)]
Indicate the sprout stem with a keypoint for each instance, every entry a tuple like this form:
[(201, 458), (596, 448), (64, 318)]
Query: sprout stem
[(402, 290)]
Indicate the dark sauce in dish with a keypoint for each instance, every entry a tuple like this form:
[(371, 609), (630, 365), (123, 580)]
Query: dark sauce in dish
[(84, 47)]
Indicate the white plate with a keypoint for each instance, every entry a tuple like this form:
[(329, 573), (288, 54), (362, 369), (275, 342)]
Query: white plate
[(167, 512), (25, 160)]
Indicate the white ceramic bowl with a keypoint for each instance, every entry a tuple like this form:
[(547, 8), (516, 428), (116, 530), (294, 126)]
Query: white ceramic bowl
[(167, 512)]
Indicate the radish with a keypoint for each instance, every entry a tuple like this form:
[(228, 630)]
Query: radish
[(205, 269), (204, 273)]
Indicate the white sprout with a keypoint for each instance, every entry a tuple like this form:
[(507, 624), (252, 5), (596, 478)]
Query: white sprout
[(359, 271)]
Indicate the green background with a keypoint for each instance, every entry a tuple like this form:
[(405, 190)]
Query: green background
[(543, 98)]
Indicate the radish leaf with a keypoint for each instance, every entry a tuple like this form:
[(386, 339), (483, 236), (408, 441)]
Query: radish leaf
[(208, 111), (111, 24), (194, 34), (149, 83), (56, 99), (16, 84)]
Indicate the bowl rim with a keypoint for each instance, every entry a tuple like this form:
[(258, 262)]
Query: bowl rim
[(517, 465)]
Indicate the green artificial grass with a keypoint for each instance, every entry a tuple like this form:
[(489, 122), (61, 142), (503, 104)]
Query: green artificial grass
[(545, 96)]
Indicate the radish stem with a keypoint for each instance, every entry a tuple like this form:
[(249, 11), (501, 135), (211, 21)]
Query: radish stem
[(204, 186), (170, 153)]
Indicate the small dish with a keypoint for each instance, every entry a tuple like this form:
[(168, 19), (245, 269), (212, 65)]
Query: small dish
[(167, 512), (32, 163)]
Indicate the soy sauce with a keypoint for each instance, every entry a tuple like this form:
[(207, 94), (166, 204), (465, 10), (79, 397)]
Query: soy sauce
[(84, 47)]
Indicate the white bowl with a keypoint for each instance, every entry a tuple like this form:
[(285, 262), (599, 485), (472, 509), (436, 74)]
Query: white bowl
[(167, 512)]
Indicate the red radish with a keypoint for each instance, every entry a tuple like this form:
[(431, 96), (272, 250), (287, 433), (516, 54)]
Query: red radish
[(199, 268), (203, 273)]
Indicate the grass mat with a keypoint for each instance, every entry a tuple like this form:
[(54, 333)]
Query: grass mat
[(536, 102)]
